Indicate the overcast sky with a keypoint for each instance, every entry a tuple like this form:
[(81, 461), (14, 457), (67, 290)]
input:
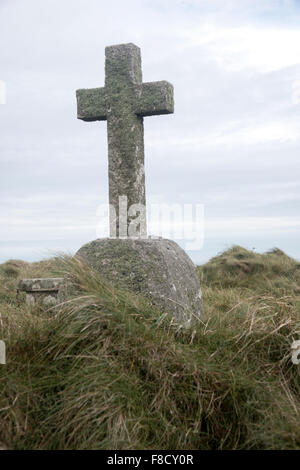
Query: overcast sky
[(233, 143)]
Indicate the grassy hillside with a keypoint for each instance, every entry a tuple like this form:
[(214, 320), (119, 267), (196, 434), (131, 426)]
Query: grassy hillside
[(107, 371)]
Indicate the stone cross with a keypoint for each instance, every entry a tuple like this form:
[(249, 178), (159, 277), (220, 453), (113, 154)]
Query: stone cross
[(123, 102)]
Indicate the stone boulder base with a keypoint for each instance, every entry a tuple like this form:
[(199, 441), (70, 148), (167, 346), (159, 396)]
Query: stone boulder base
[(156, 268)]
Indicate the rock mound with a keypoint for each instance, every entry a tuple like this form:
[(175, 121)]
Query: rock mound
[(156, 268)]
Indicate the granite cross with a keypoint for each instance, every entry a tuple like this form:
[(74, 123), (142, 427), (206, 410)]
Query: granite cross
[(123, 102)]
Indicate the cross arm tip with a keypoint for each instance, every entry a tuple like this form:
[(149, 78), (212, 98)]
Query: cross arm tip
[(91, 104), (156, 98)]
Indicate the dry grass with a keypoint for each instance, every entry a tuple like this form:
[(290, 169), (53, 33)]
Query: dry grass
[(107, 371)]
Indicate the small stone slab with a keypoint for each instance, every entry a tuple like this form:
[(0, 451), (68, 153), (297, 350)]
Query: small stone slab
[(48, 291)]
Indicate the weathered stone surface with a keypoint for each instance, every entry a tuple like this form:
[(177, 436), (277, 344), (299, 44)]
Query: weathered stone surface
[(123, 102), (156, 268), (48, 291), (159, 269)]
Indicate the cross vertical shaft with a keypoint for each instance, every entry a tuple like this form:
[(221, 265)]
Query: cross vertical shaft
[(123, 102), (125, 132)]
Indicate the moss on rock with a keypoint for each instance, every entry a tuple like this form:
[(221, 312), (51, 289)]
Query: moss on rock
[(156, 268)]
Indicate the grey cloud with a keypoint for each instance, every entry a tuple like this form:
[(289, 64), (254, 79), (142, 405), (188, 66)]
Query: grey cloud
[(54, 168)]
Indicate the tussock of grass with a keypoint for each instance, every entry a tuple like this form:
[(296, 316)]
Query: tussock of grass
[(238, 267), (107, 371)]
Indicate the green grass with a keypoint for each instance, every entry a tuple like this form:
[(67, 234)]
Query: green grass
[(105, 370)]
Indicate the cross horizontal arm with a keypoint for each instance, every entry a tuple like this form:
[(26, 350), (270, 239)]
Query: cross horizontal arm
[(155, 98), (91, 104)]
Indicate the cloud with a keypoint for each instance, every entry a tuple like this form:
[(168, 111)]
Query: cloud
[(233, 135), (240, 225), (232, 144), (263, 49)]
